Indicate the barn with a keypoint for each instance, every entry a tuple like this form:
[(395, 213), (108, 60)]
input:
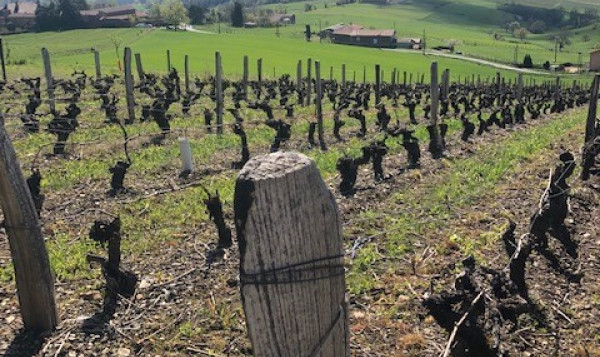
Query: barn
[(595, 60), (364, 37)]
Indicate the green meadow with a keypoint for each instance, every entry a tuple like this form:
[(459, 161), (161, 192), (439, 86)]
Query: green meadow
[(468, 23)]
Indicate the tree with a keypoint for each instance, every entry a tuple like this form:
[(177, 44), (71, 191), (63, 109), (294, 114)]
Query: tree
[(521, 34), (237, 15), (197, 14), (154, 10), (513, 26), (69, 15), (173, 12), (538, 27), (527, 62)]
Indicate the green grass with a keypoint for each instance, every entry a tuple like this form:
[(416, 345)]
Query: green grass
[(280, 55), (466, 181)]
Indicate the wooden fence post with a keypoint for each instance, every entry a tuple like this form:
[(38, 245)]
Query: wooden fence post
[(364, 74), (49, 78), (168, 61), (219, 92), (2, 60), (319, 103), (291, 259), (498, 88), (520, 87), (404, 79), (343, 75), (308, 81), (138, 66), (259, 69), (97, 64), (435, 100), (186, 66), (557, 88), (245, 77), (590, 129), (299, 80), (445, 83), (330, 73), (129, 86), (35, 283), (377, 83)]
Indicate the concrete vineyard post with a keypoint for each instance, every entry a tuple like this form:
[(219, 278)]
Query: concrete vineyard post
[(138, 65), (557, 89), (34, 280), (186, 155), (97, 64), (219, 92), (291, 259), (49, 78), (129, 85), (319, 104), (343, 75)]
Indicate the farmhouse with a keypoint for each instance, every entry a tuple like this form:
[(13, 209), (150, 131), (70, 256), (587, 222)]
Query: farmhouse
[(282, 19), (351, 35), (595, 60), (116, 16), (19, 14)]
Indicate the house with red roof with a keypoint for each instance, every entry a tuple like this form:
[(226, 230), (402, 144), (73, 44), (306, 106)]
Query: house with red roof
[(359, 36)]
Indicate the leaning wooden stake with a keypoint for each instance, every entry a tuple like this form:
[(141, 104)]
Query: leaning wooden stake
[(138, 66), (291, 259), (35, 284), (49, 78)]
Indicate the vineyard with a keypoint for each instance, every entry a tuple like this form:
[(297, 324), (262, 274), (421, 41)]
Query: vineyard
[(467, 211)]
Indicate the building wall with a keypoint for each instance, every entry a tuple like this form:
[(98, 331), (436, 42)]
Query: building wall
[(366, 41), (595, 61)]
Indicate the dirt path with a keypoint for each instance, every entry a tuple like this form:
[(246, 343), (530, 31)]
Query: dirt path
[(474, 60)]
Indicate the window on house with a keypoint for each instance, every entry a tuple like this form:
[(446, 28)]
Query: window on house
[(374, 41)]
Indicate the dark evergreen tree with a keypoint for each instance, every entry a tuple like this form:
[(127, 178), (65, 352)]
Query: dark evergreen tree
[(527, 62), (237, 15), (197, 14)]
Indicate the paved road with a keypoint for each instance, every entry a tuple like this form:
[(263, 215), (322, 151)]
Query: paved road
[(471, 59)]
